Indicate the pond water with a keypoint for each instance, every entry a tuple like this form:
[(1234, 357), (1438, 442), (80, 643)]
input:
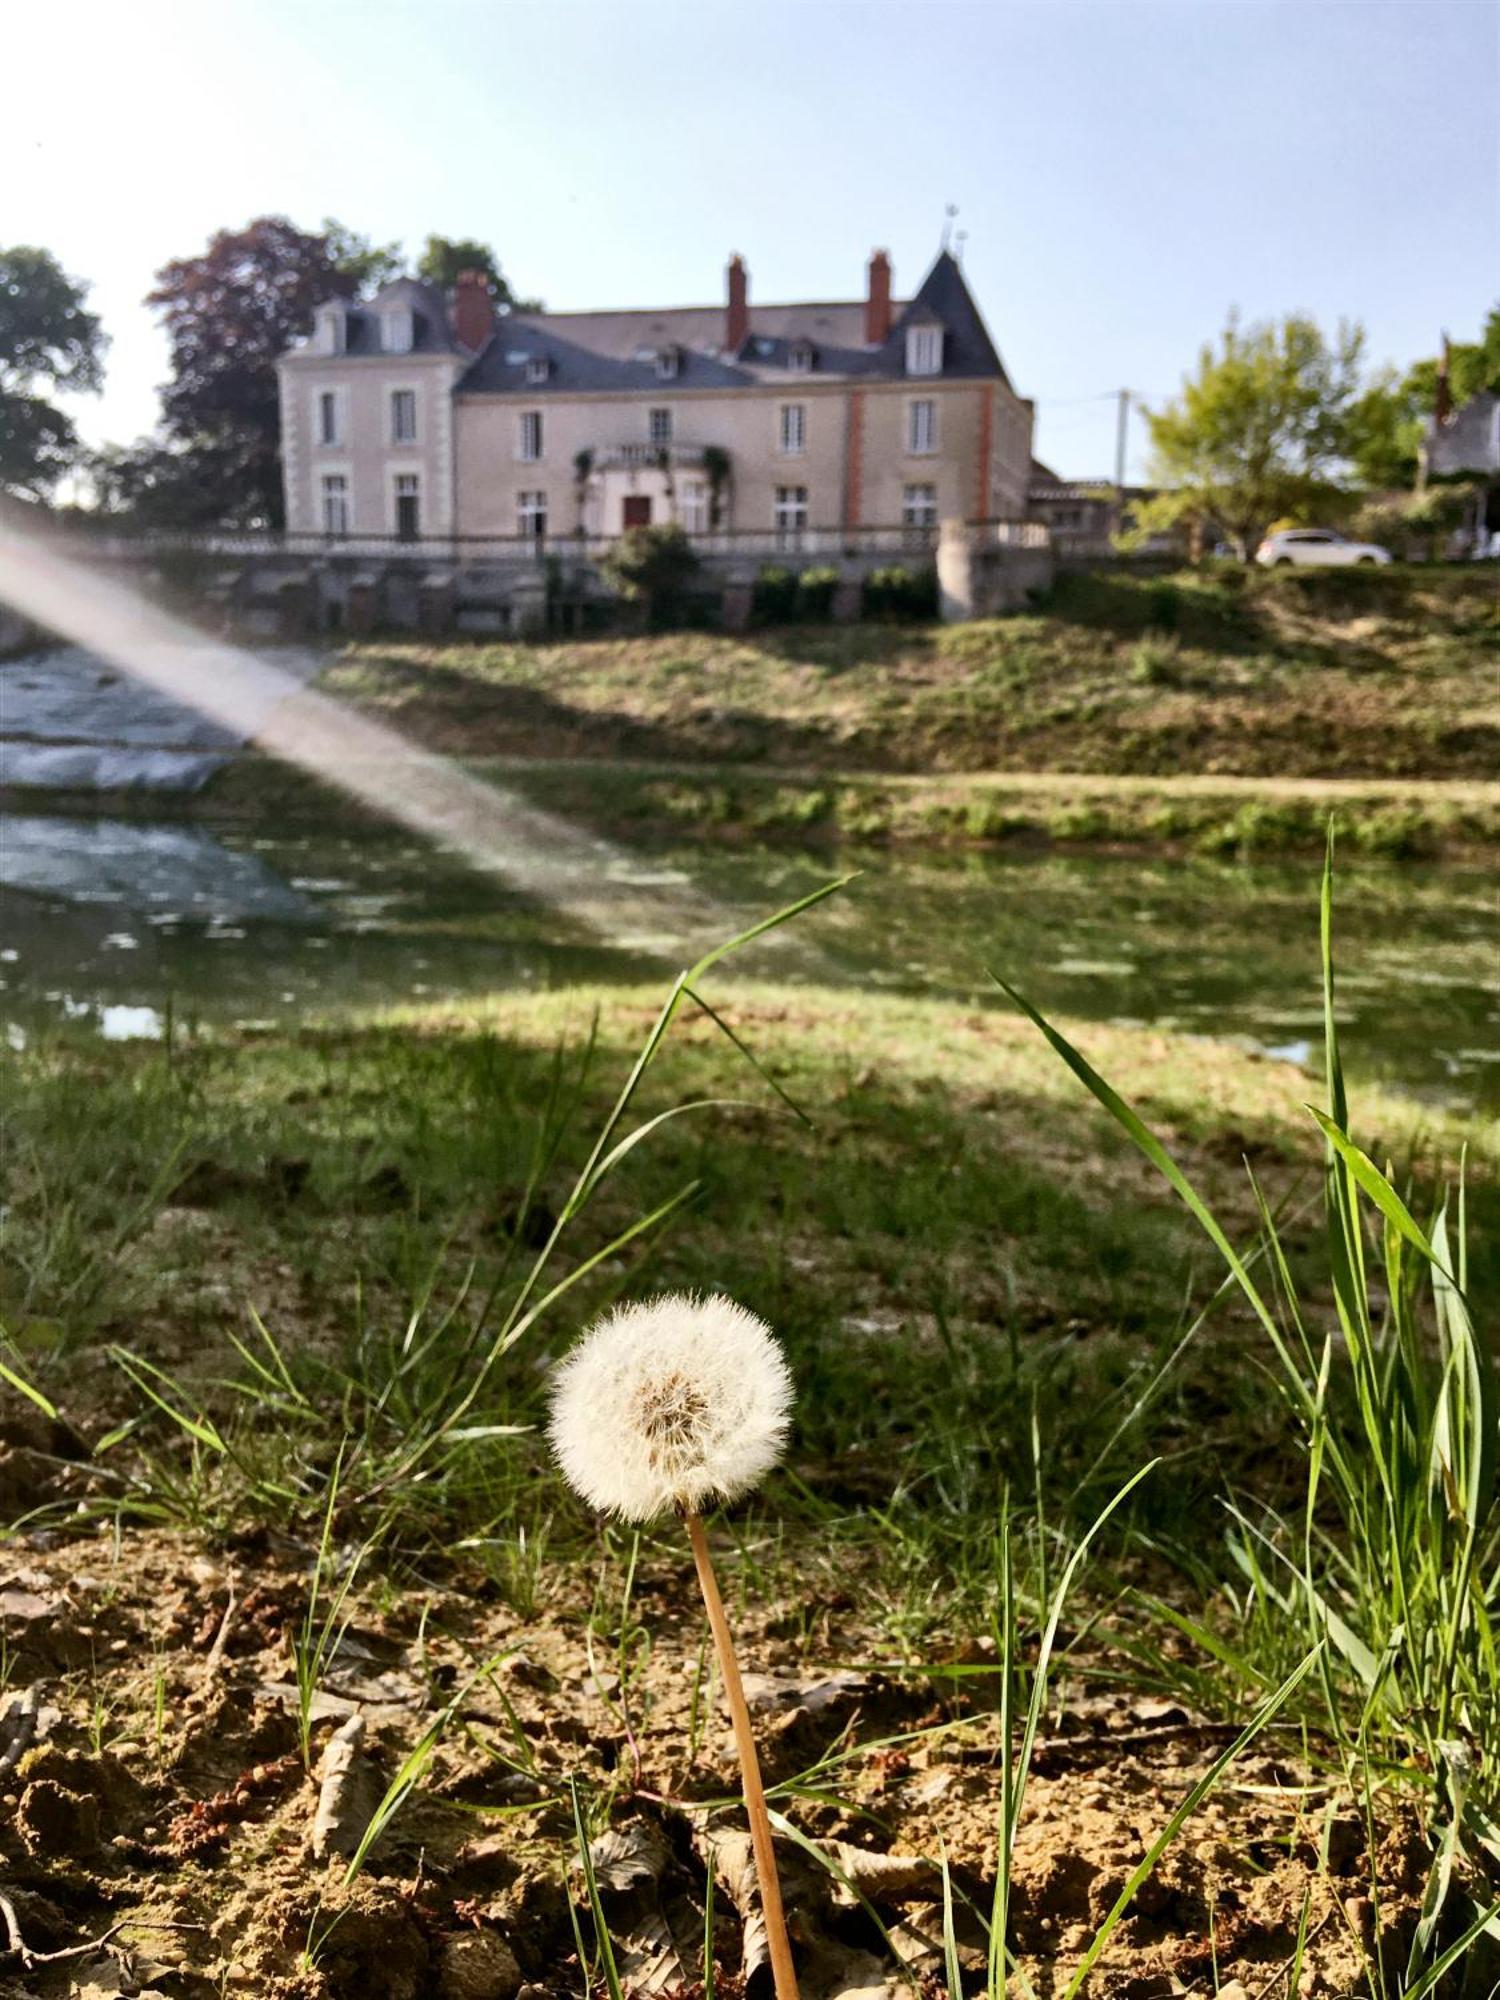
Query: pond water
[(109, 922)]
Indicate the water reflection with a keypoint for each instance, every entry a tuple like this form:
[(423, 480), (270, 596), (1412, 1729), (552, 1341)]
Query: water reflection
[(171, 871), (118, 919)]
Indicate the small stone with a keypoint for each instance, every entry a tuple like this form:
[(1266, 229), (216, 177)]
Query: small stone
[(479, 1965)]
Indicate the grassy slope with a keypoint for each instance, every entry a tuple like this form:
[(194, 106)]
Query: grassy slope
[(1226, 710)]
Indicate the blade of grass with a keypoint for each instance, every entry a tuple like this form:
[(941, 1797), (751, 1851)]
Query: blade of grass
[(596, 1908)]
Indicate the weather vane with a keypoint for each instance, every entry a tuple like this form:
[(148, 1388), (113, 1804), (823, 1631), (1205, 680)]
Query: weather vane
[(948, 214)]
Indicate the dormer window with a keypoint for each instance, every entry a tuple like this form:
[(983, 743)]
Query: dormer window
[(668, 362), (801, 357), (924, 350), (331, 323), (396, 330), (538, 368)]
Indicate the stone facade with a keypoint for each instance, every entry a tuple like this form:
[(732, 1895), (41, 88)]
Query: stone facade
[(427, 417)]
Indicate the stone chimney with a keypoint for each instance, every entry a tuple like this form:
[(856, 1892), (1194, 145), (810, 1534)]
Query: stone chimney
[(878, 301), (1443, 407), (473, 309), (737, 305)]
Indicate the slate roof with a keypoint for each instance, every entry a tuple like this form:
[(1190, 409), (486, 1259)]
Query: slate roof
[(1468, 441), (432, 331), (617, 350)]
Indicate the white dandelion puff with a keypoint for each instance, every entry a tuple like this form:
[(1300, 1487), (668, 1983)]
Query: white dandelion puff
[(673, 1403), (667, 1405)]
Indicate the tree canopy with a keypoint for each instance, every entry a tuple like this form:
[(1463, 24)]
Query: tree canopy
[(48, 341), (229, 313), (369, 264), (1386, 424), (444, 257), (1259, 430)]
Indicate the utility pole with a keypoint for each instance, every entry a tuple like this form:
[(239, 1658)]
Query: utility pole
[(1122, 426), (1122, 439)]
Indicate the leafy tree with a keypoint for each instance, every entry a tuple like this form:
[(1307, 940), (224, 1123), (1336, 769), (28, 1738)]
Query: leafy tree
[(1383, 430), (1386, 424), (1258, 431), (47, 340), (369, 264), (1473, 365), (150, 484), (229, 313), (444, 257)]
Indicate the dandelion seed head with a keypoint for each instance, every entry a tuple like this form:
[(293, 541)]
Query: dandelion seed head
[(675, 1402)]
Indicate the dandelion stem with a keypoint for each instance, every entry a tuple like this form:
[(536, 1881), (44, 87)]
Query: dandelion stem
[(782, 1969)]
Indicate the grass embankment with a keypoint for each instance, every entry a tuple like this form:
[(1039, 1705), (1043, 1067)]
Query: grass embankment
[(1225, 711), (983, 1292)]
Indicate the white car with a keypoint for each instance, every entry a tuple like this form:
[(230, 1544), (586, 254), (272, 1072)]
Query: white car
[(1317, 546)]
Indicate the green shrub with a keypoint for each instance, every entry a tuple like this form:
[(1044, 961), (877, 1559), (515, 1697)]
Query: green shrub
[(775, 598), (1397, 833), (1080, 822), (898, 592), (656, 567), (815, 590), (791, 806), (1265, 826)]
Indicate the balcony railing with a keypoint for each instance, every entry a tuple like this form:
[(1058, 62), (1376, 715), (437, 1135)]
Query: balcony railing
[(744, 544), (643, 457), (1015, 534)]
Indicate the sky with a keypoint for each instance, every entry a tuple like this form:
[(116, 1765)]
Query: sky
[(1126, 172)]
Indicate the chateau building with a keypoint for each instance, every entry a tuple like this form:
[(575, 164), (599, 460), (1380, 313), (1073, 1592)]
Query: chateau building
[(421, 415)]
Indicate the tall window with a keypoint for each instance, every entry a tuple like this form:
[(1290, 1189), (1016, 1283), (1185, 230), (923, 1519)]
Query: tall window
[(335, 504), (408, 506), (531, 514), (919, 507), (919, 515), (396, 330), (793, 429), (921, 426), (661, 426), (924, 350), (790, 514), (403, 416), (328, 417), (529, 437), (692, 506)]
